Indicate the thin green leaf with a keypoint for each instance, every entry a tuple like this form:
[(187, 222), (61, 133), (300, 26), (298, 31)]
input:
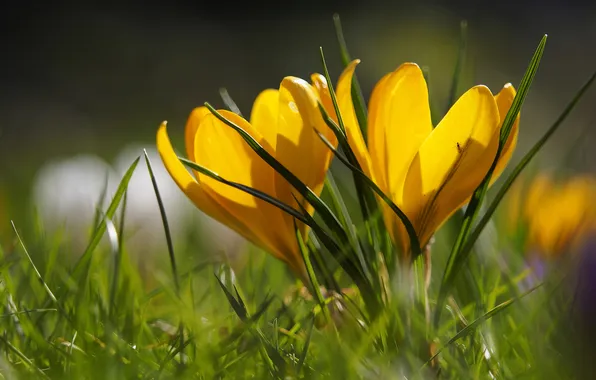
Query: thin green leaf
[(459, 63), (306, 345), (367, 202), (314, 282), (85, 259), (166, 225), (37, 274), (456, 259)]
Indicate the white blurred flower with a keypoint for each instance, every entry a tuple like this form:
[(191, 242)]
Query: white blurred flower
[(66, 193)]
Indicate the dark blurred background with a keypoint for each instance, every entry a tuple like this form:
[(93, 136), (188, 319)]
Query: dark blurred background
[(94, 78)]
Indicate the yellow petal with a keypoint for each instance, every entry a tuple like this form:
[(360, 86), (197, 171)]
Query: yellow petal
[(221, 149), (504, 100), (193, 190), (376, 135), (403, 117), (299, 148), (195, 118), (348, 114), (319, 83), (452, 161), (263, 116)]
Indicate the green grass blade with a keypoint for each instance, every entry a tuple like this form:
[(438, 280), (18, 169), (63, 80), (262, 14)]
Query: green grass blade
[(459, 63), (306, 346), (456, 259), (368, 204), (37, 273), (314, 282), (357, 97), (85, 259), (238, 306), (28, 362), (228, 101), (166, 225), (522, 165)]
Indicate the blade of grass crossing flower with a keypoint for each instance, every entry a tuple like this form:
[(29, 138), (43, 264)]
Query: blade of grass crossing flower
[(314, 282), (415, 244), (474, 235), (228, 101), (100, 229), (254, 192), (367, 202), (320, 207), (456, 259), (357, 96)]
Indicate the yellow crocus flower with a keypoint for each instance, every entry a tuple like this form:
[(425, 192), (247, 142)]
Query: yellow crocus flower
[(559, 216), (283, 121), (428, 173)]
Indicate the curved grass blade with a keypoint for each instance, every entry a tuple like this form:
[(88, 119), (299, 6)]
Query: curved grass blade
[(228, 101), (85, 259), (306, 345), (166, 225), (414, 242), (367, 202), (320, 207), (521, 166), (456, 259), (357, 97)]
